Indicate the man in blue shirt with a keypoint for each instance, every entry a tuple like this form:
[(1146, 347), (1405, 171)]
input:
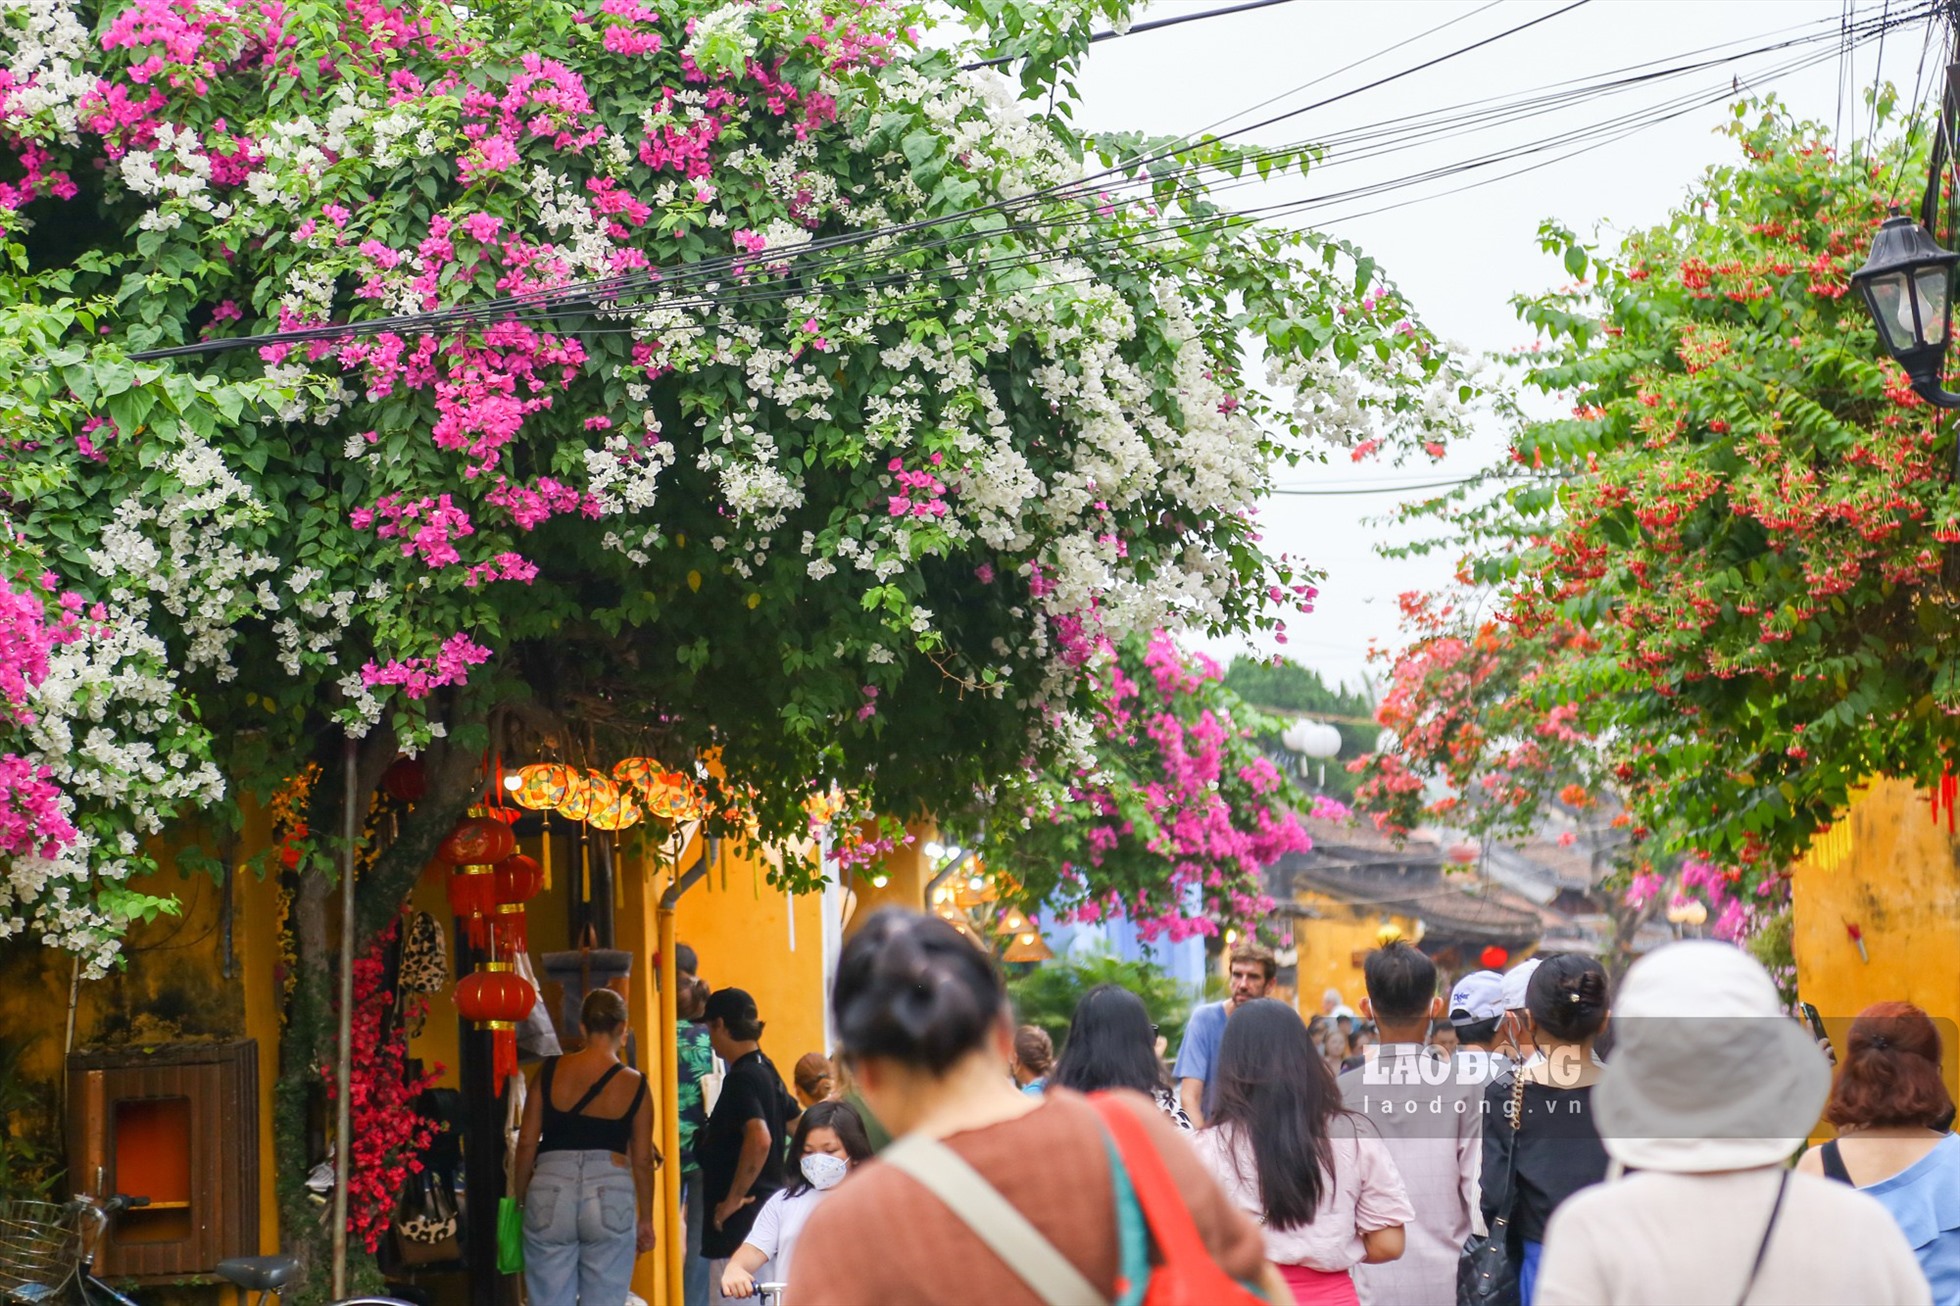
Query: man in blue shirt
[(1252, 970)]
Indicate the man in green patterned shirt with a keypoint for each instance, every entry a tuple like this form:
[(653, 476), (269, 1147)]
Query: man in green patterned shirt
[(695, 1060)]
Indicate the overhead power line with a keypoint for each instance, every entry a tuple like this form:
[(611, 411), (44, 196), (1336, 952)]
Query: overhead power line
[(1137, 29), (724, 265), (666, 289)]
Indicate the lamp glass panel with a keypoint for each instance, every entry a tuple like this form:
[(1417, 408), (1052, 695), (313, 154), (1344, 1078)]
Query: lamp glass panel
[(1892, 310), (1930, 289)]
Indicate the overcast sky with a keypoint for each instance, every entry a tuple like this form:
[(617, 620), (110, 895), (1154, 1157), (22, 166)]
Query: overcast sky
[(1460, 257)]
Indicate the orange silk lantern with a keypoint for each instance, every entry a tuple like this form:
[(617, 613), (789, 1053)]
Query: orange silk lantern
[(673, 799), (637, 775), (598, 794), (619, 814), (477, 840), (543, 785), (578, 797), (494, 997)]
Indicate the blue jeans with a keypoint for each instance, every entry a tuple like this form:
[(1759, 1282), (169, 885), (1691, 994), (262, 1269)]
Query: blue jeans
[(1528, 1272), (579, 1218), (694, 1271)]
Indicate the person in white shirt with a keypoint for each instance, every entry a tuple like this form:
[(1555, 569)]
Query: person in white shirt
[(1316, 1176), (1428, 1117), (1710, 1091), (829, 1140)]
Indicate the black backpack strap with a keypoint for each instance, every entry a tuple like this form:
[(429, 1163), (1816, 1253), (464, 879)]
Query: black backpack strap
[(598, 1087), (1833, 1160)]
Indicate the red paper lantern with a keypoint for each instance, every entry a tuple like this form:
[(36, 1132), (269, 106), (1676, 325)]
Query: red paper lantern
[(405, 780), (1493, 957), (518, 879), (494, 997), (477, 841), (473, 897)]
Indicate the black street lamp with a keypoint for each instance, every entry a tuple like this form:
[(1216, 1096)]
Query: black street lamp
[(1907, 284)]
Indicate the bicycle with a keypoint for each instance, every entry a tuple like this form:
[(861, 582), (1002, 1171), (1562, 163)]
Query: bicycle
[(45, 1250), (48, 1249), (269, 1275)]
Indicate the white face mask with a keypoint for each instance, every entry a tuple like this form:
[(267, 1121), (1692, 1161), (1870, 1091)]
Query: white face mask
[(824, 1170)]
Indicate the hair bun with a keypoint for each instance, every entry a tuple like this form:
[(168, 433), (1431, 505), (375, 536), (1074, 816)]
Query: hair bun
[(911, 988)]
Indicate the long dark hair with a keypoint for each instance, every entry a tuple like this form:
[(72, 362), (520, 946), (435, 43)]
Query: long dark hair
[(911, 988), (849, 1126), (1111, 1044), (1277, 1097)]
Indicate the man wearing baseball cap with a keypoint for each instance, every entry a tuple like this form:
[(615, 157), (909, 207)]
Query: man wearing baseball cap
[(1476, 1010), (741, 1149)]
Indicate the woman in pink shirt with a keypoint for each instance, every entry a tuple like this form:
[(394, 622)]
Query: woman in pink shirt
[(1316, 1177)]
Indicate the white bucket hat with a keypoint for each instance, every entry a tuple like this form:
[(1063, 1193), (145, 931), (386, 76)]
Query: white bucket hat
[(1707, 1073)]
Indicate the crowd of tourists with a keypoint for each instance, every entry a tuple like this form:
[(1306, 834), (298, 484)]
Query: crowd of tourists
[(1527, 1137)]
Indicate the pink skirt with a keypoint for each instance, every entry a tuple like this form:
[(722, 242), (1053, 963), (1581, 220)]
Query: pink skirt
[(1313, 1287)]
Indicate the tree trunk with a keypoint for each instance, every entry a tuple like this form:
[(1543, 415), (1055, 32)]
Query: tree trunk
[(307, 1049)]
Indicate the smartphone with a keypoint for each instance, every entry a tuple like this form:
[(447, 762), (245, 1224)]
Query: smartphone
[(1815, 1021)]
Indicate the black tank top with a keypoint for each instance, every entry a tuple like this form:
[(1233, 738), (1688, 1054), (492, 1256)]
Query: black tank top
[(572, 1131)]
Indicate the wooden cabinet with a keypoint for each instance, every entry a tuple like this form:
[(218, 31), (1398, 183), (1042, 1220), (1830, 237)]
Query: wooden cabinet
[(180, 1126)]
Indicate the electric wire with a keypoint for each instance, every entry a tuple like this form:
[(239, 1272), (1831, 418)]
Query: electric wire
[(725, 262), (1601, 132), (1346, 68), (583, 299), (1138, 29)]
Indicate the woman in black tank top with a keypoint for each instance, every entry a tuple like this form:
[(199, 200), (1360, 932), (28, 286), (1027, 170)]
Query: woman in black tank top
[(584, 1174)]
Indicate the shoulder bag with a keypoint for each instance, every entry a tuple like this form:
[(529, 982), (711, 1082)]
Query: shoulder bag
[(1485, 1275), (1183, 1272)]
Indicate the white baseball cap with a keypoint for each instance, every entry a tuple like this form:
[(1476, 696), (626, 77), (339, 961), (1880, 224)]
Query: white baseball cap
[(1516, 980), (1477, 997)]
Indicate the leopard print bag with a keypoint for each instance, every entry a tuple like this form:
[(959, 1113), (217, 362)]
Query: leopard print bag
[(425, 956)]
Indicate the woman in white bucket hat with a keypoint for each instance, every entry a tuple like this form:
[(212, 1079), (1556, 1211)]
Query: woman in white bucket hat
[(1709, 1092)]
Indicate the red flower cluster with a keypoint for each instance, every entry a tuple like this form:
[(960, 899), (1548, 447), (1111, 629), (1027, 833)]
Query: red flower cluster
[(388, 1135)]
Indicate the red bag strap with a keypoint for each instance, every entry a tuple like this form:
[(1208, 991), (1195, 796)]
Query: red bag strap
[(1163, 1204)]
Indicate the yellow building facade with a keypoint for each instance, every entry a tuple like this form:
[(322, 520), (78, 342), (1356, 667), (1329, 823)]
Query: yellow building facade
[(1888, 869), (216, 975)]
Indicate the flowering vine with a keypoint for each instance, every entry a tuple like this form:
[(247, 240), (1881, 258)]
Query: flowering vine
[(1175, 825), (747, 364)]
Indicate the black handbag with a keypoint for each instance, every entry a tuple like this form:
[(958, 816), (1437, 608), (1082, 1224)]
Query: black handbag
[(1485, 1275)]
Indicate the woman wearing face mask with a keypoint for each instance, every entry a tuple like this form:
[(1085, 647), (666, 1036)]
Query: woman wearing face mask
[(829, 1140)]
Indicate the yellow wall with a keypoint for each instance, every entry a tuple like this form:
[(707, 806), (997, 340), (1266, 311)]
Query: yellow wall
[(1329, 943), (1888, 867), (906, 872), (173, 989), (740, 928)]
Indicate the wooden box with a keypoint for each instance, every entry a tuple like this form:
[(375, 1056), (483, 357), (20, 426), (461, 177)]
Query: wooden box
[(178, 1125)]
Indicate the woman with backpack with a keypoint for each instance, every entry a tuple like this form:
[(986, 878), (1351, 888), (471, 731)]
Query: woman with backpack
[(1289, 1154), (1001, 1197)]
